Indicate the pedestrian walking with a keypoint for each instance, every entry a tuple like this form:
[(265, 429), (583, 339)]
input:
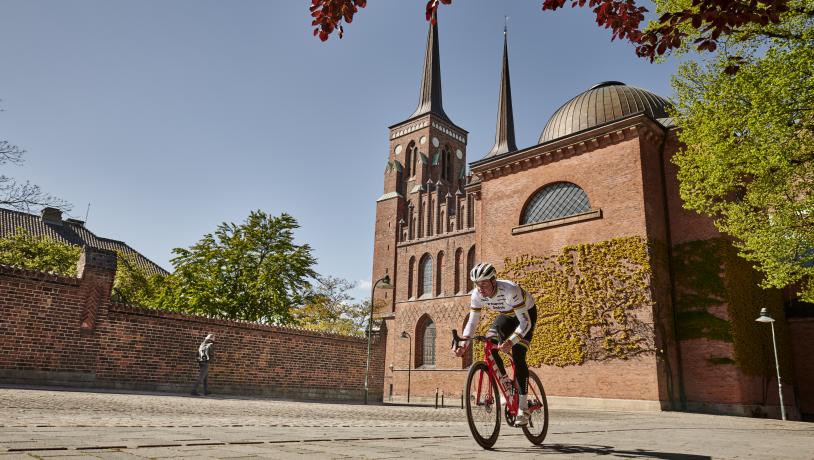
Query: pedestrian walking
[(206, 353)]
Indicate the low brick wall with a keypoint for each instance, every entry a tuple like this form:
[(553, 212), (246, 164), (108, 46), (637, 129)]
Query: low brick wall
[(65, 331)]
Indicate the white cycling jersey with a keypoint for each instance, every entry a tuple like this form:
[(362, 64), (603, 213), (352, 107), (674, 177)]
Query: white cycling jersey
[(509, 299)]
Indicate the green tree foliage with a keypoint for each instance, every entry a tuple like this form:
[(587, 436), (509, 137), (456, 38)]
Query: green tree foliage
[(330, 308), (24, 250), (251, 272), (749, 155), (133, 284)]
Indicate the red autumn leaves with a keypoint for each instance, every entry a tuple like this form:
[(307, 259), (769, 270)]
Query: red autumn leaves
[(712, 19)]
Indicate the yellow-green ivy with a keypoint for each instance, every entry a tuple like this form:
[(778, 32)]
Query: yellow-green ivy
[(593, 301)]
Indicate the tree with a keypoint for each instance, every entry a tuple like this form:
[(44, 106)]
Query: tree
[(704, 22), (24, 250), (749, 155), (135, 285), (330, 308), (250, 272), (22, 196)]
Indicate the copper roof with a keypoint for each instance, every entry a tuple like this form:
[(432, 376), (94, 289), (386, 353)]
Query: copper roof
[(69, 231), (602, 103)]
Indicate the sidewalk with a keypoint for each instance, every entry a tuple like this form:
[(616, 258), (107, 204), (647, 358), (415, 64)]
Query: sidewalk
[(62, 424)]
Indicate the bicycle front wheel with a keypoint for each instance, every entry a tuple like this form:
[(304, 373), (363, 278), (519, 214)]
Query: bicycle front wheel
[(482, 406), (537, 427)]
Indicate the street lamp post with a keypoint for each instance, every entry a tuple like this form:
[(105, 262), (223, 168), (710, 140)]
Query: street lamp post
[(385, 285), (405, 335), (765, 318)]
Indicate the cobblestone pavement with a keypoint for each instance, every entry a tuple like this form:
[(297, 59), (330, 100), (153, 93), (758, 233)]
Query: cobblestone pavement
[(53, 424)]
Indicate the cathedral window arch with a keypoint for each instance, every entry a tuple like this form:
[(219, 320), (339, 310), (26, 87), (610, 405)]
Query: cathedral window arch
[(446, 163), (410, 220), (410, 271), (415, 161), (470, 212), (425, 342), (425, 276), (409, 168), (555, 201), (459, 255), (439, 270), (470, 264)]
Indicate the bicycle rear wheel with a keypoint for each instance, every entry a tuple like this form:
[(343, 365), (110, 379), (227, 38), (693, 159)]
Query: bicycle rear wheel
[(537, 428), (482, 406)]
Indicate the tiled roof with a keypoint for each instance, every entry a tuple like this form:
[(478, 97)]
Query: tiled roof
[(69, 231)]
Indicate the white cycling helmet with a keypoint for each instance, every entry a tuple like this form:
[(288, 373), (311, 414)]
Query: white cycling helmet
[(483, 272)]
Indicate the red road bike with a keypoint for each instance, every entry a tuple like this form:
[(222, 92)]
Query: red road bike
[(484, 391)]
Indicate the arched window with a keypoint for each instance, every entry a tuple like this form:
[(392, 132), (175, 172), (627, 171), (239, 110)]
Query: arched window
[(410, 220), (428, 344), (470, 264), (414, 160), (410, 270), (425, 276), (424, 353), (470, 211), (459, 255), (555, 201), (409, 171), (439, 264), (446, 163)]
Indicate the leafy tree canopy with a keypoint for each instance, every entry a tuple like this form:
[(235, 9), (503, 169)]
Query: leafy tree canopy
[(749, 155), (330, 308), (252, 272), (24, 250)]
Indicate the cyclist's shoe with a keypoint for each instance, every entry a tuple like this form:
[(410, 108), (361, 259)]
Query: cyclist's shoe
[(522, 419)]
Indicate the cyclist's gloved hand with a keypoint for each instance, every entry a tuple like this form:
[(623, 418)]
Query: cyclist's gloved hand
[(459, 351)]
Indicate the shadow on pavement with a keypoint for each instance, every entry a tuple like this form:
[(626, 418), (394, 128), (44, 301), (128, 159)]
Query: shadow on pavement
[(608, 450)]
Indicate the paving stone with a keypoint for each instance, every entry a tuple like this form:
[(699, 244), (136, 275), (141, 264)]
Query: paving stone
[(285, 429)]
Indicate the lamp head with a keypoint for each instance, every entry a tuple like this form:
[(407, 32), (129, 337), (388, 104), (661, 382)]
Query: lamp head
[(764, 316), (405, 335), (386, 283)]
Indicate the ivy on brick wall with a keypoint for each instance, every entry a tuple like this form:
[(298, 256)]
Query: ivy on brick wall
[(593, 300), (713, 283)]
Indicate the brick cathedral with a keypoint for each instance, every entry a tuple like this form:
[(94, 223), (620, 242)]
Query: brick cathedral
[(642, 304)]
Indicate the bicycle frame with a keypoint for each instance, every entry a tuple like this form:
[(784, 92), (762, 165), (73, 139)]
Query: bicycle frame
[(490, 344)]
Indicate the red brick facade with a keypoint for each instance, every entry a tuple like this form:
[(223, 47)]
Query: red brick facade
[(66, 331), (624, 168)]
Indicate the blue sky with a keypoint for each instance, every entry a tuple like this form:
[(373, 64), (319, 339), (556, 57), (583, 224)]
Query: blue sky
[(172, 117)]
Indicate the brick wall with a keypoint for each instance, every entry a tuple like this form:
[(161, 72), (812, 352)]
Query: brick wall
[(48, 340), (801, 330)]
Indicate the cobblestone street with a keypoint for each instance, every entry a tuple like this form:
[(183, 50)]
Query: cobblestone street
[(62, 424)]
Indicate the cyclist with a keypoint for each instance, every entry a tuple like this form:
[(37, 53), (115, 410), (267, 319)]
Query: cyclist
[(514, 325)]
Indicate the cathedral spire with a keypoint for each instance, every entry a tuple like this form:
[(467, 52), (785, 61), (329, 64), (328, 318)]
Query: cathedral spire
[(504, 132), (430, 97)]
